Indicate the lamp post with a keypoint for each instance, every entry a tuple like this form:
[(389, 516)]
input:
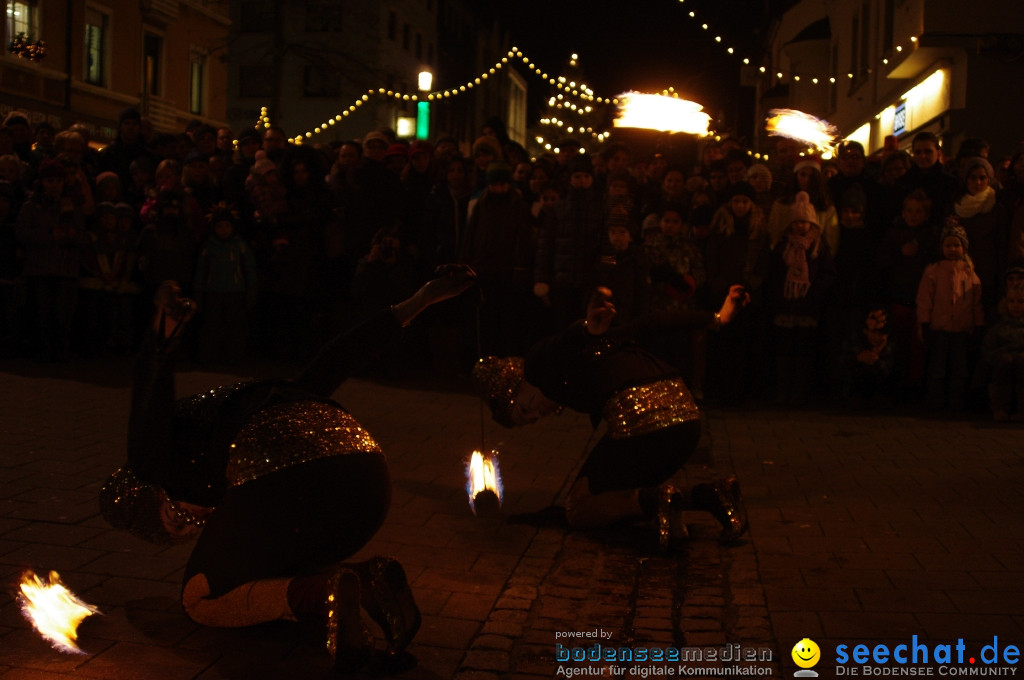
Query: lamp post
[(425, 81)]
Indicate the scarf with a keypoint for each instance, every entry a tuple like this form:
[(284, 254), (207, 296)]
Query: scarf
[(961, 279), (981, 202), (798, 280)]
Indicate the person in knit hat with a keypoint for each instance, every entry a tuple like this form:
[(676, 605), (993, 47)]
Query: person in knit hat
[(949, 310), (801, 276)]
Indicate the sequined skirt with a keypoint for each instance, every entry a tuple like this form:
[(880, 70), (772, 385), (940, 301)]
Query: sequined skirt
[(286, 435), (643, 409)]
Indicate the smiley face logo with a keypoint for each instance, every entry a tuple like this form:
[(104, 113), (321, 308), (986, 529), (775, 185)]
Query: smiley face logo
[(806, 653)]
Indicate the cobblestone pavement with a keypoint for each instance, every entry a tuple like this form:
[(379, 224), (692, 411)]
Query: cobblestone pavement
[(865, 529)]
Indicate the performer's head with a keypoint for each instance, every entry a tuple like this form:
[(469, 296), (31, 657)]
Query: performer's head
[(142, 509), (512, 399)]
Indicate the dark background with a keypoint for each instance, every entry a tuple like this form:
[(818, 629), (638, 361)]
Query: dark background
[(646, 45)]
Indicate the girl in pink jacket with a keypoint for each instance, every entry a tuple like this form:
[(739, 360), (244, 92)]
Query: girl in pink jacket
[(948, 311)]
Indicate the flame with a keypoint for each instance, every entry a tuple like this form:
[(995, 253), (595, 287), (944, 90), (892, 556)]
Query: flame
[(660, 112), (803, 127), (54, 611), (482, 474)]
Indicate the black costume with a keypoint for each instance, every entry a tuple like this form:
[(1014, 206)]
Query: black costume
[(297, 484), (653, 421)]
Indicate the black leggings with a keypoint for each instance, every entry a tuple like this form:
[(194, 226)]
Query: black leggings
[(637, 462), (295, 521)]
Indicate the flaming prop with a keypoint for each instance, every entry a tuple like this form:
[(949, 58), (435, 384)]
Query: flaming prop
[(53, 610), (663, 113), (802, 127), (483, 483)]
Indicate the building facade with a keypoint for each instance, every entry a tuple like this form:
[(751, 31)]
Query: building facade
[(884, 70), (328, 71), (165, 57)]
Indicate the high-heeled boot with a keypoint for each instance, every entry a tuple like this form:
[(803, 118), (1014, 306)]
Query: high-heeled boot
[(723, 500), (334, 599), (665, 505), (387, 598)]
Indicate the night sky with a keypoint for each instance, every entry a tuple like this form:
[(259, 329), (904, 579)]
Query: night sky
[(645, 45)]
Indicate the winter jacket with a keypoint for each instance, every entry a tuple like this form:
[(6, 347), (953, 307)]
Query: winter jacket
[(946, 309)]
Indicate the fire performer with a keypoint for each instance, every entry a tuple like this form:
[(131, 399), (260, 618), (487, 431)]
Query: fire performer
[(653, 423), (278, 482)]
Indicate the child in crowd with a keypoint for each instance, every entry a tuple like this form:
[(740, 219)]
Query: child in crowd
[(1003, 354), (802, 274), (569, 245), (623, 268), (677, 270), (225, 287), (52, 235), (904, 253), (949, 308), (736, 252), (107, 288), (868, 360)]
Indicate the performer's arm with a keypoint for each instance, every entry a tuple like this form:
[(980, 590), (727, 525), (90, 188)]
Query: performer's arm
[(336, 361), (152, 409)]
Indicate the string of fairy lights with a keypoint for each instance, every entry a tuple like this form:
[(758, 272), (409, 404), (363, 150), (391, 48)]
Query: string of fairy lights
[(583, 98), (568, 87), (815, 78)]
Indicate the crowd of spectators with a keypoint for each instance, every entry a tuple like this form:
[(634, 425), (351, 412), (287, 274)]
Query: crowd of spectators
[(894, 277)]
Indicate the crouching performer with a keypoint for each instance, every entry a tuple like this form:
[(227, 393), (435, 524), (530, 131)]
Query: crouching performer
[(277, 483), (653, 423)]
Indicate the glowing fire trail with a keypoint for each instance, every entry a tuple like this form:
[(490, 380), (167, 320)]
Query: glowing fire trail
[(661, 112), (483, 483), (53, 610), (802, 127)]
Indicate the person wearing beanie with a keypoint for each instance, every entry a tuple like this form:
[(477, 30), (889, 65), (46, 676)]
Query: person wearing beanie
[(485, 150), (375, 145), (736, 252), (569, 242), (52, 236), (653, 423), (949, 310), (801, 277), (986, 222), (868, 360), (396, 158), (857, 277), (806, 177), (128, 145), (498, 245), (276, 484), (760, 177)]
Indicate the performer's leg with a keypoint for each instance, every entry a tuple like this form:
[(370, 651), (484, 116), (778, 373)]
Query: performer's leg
[(296, 521), (247, 605), (586, 510)]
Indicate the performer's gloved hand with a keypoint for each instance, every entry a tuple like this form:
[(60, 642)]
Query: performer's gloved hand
[(451, 280), (737, 298), (600, 312)]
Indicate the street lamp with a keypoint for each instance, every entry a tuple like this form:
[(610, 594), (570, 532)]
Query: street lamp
[(425, 82)]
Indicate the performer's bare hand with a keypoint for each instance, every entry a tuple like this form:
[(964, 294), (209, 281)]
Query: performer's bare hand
[(737, 298), (451, 280), (600, 312)]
